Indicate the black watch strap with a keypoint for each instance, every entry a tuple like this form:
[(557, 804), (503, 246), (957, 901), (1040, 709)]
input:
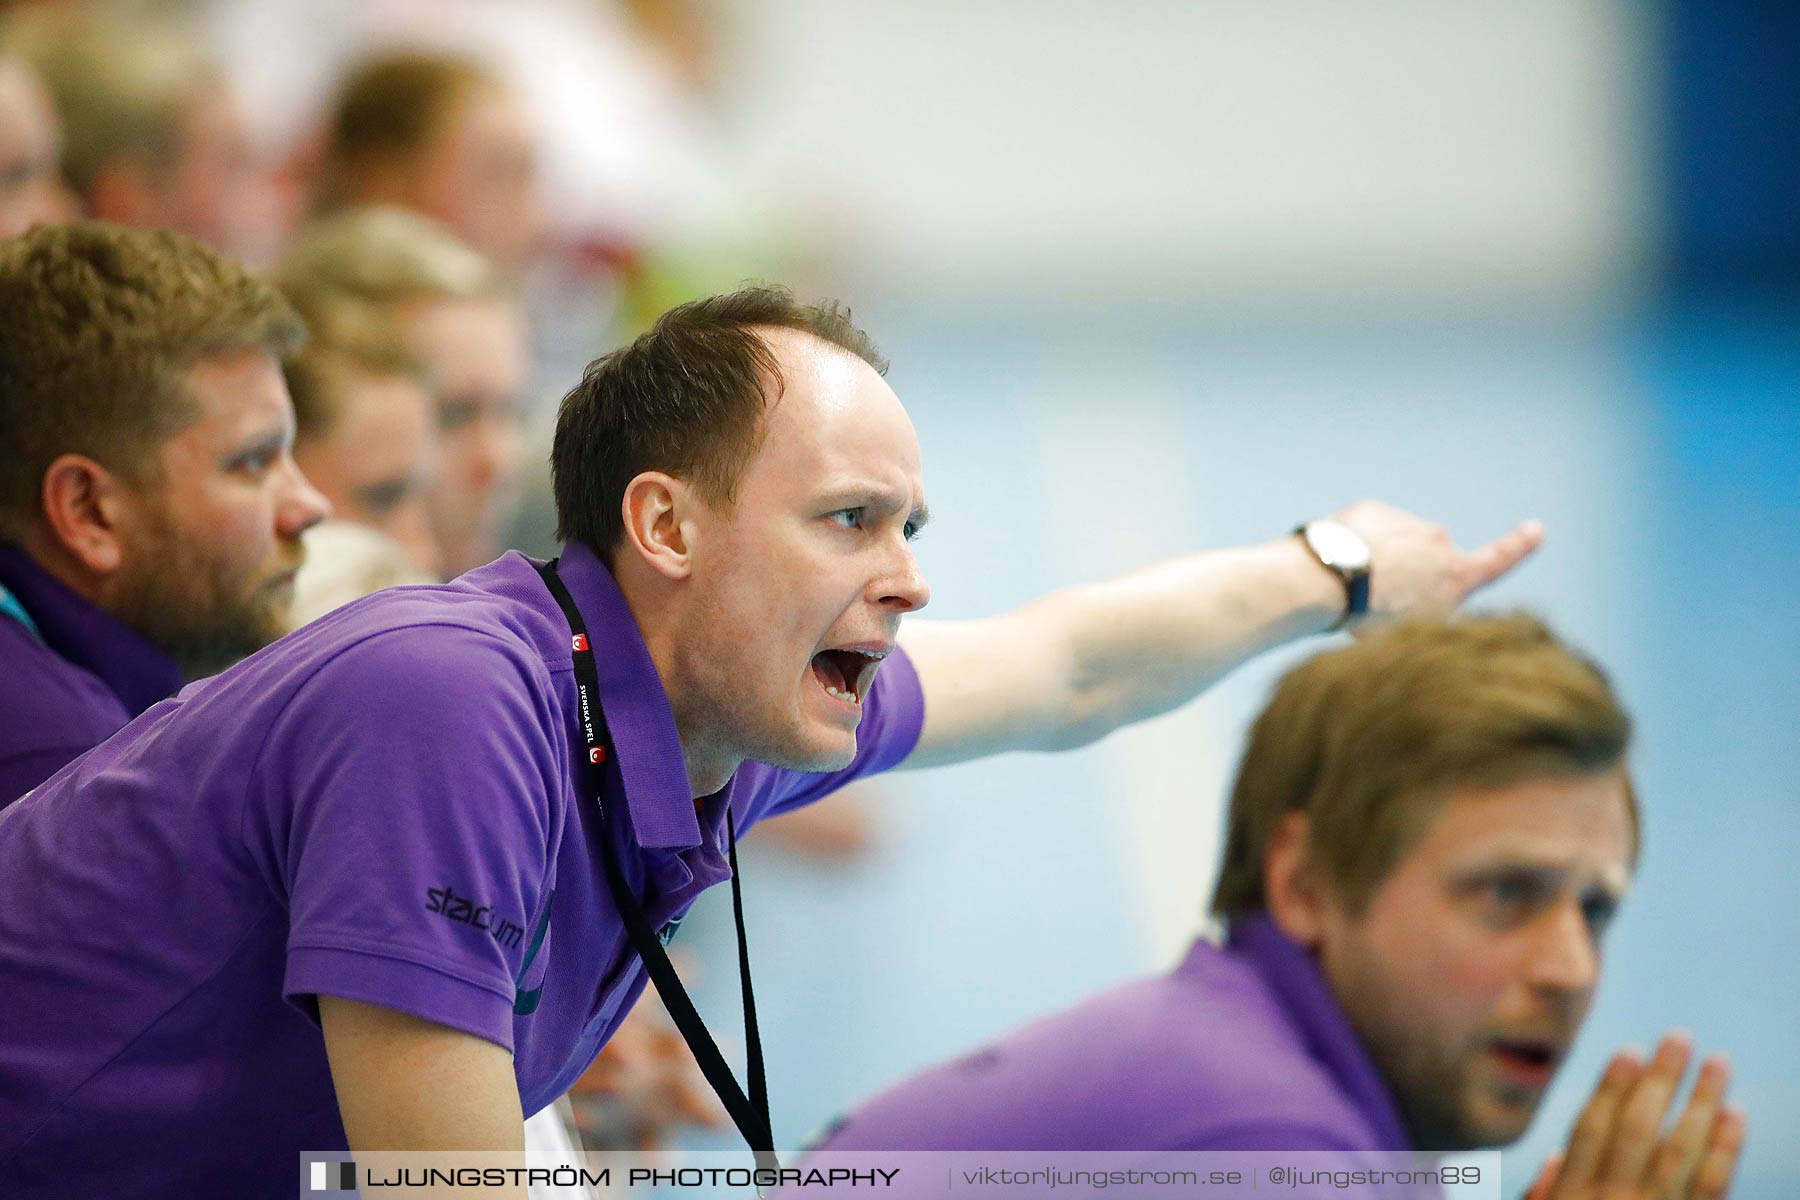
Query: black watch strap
[(1354, 578), (1356, 594)]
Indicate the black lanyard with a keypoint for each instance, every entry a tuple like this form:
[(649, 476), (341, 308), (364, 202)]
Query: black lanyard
[(751, 1114)]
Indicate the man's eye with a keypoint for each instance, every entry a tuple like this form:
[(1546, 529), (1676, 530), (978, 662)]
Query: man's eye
[(256, 464), (1507, 891), (849, 518), (380, 499), (912, 531), (1504, 901), (456, 414), (1599, 911)]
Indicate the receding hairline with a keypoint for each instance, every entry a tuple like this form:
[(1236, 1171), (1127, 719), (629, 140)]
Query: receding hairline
[(775, 338)]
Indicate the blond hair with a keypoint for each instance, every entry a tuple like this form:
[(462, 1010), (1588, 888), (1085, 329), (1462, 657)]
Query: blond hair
[(347, 335), (1369, 740), (387, 256), (99, 325), (345, 562)]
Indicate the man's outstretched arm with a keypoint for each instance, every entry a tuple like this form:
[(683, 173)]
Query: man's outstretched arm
[(1077, 664)]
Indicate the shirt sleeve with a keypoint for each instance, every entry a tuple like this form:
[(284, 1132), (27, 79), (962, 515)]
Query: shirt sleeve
[(892, 720), (24, 770), (414, 795)]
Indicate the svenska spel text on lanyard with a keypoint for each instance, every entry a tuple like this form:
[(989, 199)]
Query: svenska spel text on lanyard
[(750, 1113)]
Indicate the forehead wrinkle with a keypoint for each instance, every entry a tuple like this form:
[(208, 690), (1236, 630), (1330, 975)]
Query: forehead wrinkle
[(1519, 852)]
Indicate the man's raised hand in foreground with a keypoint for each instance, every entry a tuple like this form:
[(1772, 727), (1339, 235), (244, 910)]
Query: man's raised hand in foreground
[(1619, 1150)]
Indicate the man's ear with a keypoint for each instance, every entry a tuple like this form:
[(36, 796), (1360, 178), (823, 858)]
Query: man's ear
[(83, 506), (1293, 893), (659, 513)]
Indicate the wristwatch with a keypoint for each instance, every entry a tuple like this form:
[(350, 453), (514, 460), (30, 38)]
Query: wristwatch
[(1345, 553)]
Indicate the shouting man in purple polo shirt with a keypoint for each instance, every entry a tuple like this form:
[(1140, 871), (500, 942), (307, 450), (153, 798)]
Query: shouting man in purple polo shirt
[(371, 887), (1430, 831), (150, 514)]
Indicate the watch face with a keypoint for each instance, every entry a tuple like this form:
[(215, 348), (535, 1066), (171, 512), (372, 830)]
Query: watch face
[(1339, 546)]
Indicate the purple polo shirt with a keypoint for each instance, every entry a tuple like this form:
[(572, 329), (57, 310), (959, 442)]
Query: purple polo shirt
[(73, 675), (377, 807), (1241, 1048)]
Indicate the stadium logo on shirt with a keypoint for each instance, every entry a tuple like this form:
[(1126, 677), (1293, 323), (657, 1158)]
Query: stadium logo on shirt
[(446, 903)]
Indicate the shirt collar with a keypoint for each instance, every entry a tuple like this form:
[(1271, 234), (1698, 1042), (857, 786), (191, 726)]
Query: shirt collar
[(82, 632), (1294, 979), (645, 742)]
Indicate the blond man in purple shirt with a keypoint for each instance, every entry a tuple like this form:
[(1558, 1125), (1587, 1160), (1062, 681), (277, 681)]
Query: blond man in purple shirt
[(1429, 833)]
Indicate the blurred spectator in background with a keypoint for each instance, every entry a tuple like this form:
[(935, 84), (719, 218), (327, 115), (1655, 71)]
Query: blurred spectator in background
[(365, 422), (153, 135), (346, 561), (150, 510), (443, 136), (459, 321), (31, 186), (626, 154)]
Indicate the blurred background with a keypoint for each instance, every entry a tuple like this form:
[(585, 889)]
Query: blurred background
[(1154, 276)]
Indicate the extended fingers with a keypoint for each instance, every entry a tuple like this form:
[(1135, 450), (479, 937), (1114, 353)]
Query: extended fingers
[(1486, 564), (1679, 1157), (1714, 1176), (1593, 1128), (1546, 1178), (1640, 1121)]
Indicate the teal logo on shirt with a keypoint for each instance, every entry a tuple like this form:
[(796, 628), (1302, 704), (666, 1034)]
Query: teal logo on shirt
[(525, 1001)]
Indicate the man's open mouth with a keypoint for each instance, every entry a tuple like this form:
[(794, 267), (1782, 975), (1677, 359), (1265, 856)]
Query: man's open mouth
[(847, 674), (1528, 1060)]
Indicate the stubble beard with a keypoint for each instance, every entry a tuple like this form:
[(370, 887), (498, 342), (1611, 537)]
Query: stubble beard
[(1430, 1084), (200, 612), (1431, 1081)]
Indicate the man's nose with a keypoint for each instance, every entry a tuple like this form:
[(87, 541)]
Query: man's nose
[(906, 590), (499, 451), (300, 505), (1565, 957)]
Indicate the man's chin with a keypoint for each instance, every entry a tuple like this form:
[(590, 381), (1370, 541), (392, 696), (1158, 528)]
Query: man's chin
[(1498, 1120), (213, 647), (1483, 1114), (820, 756)]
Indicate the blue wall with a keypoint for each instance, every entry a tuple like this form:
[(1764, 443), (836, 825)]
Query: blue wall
[(1731, 144)]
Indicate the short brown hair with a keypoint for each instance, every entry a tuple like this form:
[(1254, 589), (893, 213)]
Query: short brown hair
[(388, 108), (687, 397), (346, 335), (1369, 740), (99, 325)]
